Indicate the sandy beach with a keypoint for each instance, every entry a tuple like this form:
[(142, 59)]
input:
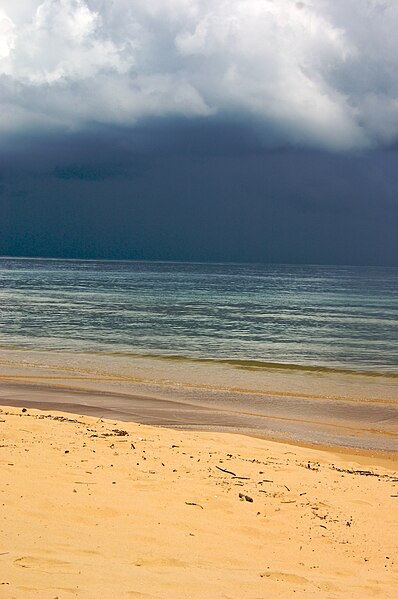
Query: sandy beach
[(198, 299), (97, 508)]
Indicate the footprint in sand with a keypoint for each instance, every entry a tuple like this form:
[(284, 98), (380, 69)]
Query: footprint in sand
[(141, 595), (284, 577), (156, 562), (48, 565)]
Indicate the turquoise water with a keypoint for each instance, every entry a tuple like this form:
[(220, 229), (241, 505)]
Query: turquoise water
[(250, 315)]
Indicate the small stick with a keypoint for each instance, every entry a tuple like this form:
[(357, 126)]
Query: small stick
[(318, 516), (192, 503), (227, 471), (78, 482)]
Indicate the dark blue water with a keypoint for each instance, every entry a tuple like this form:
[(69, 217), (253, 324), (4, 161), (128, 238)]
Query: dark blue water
[(311, 316)]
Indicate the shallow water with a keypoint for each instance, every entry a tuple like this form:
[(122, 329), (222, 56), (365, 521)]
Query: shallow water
[(306, 352)]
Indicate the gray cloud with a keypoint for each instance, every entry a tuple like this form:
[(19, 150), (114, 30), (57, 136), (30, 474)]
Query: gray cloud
[(315, 73)]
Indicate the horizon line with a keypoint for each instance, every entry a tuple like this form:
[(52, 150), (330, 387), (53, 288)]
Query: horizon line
[(176, 261)]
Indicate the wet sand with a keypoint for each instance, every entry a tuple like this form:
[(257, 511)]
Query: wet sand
[(366, 426), (95, 507)]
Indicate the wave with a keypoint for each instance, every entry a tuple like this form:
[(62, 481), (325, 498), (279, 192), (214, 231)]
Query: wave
[(242, 364), (252, 364)]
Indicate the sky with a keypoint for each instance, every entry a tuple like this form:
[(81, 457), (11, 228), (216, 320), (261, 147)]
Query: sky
[(214, 130)]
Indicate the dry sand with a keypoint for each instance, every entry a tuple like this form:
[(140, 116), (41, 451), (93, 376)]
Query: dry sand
[(96, 508)]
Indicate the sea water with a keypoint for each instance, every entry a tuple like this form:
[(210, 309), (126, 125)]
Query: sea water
[(310, 316), (315, 344)]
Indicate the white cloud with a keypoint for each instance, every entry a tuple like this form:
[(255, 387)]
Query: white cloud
[(316, 72), (7, 35), (61, 42)]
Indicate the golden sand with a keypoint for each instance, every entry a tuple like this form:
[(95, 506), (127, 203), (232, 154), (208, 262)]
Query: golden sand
[(96, 508)]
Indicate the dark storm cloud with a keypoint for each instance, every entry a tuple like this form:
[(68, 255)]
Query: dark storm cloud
[(316, 73), (188, 193), (200, 130), (88, 172)]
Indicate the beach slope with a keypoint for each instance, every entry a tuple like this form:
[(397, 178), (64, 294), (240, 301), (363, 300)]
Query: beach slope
[(95, 508)]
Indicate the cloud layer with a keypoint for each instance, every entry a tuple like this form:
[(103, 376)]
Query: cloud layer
[(314, 73)]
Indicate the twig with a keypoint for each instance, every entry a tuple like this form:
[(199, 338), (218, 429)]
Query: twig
[(78, 482), (192, 503), (320, 517), (227, 471)]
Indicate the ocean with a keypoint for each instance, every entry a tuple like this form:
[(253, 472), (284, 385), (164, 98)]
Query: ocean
[(264, 315), (207, 332)]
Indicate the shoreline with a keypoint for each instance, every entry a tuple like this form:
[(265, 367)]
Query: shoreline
[(101, 507), (161, 412)]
